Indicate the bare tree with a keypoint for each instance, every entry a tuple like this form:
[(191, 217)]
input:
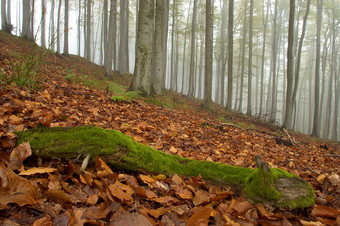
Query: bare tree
[(124, 37), (250, 57), (110, 40), (192, 51), (66, 29), (88, 29), (230, 53), (3, 15)]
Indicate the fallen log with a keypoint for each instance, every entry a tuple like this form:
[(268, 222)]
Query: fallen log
[(269, 186)]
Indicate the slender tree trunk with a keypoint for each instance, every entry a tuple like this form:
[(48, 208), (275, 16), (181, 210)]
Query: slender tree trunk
[(290, 66), (172, 64), (250, 57), (52, 32), (165, 39), (158, 52), (66, 29), (43, 24), (244, 34), (184, 52), (58, 27), (124, 38), (192, 52), (316, 124), (265, 23), (208, 56), (88, 29), (110, 42), (8, 13), (3, 15), (78, 27), (230, 54), (26, 17)]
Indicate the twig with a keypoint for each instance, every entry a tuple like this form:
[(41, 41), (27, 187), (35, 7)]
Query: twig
[(230, 124), (292, 140)]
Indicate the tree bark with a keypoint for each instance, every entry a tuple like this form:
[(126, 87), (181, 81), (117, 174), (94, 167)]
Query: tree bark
[(143, 62), (109, 51), (26, 18), (250, 57), (290, 66), (66, 30), (208, 56), (230, 54), (269, 186), (124, 37), (192, 51), (43, 24), (3, 15), (88, 29)]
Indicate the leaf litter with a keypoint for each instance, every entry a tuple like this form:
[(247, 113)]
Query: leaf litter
[(54, 191)]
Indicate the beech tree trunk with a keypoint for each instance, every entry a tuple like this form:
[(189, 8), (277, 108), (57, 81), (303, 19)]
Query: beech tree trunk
[(230, 54), (66, 29)]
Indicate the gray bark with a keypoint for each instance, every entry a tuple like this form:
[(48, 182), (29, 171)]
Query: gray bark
[(250, 57), (158, 53), (290, 66), (66, 29), (58, 27), (52, 32), (110, 40), (230, 54), (124, 36), (316, 129), (3, 15), (192, 52), (43, 24), (78, 27), (208, 56), (172, 55), (26, 18), (143, 62), (88, 29)]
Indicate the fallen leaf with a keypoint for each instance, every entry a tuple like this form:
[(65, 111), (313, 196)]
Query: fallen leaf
[(157, 212), (14, 120), (19, 154), (92, 199), (324, 211), (200, 218), (166, 200), (46, 120), (127, 219), (37, 170), (17, 189), (201, 197), (173, 150), (121, 191), (184, 193), (242, 207), (45, 221), (97, 212)]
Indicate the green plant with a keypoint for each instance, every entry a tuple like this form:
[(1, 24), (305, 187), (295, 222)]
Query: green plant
[(70, 77), (120, 94)]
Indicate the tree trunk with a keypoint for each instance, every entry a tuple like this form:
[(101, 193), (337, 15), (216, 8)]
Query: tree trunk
[(316, 124), (172, 55), (43, 24), (58, 27), (143, 63), (109, 51), (66, 29), (208, 56), (124, 38), (230, 54), (192, 52), (250, 57), (290, 66), (3, 15), (88, 29), (78, 27), (26, 17), (165, 39), (8, 13), (270, 186), (158, 52), (52, 32)]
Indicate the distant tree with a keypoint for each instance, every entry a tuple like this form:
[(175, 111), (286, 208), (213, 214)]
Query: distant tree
[(26, 18), (172, 55), (3, 15), (208, 56), (250, 57), (192, 51), (88, 29), (123, 65), (143, 62), (66, 29), (52, 32), (79, 19), (58, 27), (109, 51), (43, 24), (8, 13), (165, 38), (290, 66), (158, 57), (230, 54)]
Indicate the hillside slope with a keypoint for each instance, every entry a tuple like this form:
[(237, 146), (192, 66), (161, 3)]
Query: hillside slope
[(73, 91)]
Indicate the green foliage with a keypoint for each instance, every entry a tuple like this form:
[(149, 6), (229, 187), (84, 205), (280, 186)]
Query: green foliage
[(70, 77), (25, 70), (152, 100), (120, 94)]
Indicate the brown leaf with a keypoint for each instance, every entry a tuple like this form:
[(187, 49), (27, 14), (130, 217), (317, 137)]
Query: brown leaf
[(17, 189), (59, 196), (184, 193), (201, 218), (19, 154), (157, 212), (45, 221), (14, 120), (324, 211), (176, 179), (147, 179), (92, 199), (37, 170), (46, 120), (201, 197), (102, 168), (97, 212), (121, 191), (166, 200), (242, 207), (128, 219)]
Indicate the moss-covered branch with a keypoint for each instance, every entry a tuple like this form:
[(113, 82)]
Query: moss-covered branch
[(270, 186)]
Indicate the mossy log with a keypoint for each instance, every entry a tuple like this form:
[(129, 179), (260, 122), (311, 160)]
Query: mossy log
[(269, 186)]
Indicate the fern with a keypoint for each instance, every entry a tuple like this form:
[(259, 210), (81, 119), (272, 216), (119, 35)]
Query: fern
[(120, 98)]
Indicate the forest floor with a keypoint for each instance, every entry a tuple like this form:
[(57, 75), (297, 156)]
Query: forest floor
[(74, 92)]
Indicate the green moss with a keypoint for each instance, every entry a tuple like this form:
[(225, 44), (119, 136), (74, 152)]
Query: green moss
[(121, 151)]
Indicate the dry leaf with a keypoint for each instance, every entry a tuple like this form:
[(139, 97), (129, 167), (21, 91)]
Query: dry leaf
[(128, 219), (121, 191), (37, 170), (97, 212), (19, 154), (324, 211), (201, 197), (200, 218)]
